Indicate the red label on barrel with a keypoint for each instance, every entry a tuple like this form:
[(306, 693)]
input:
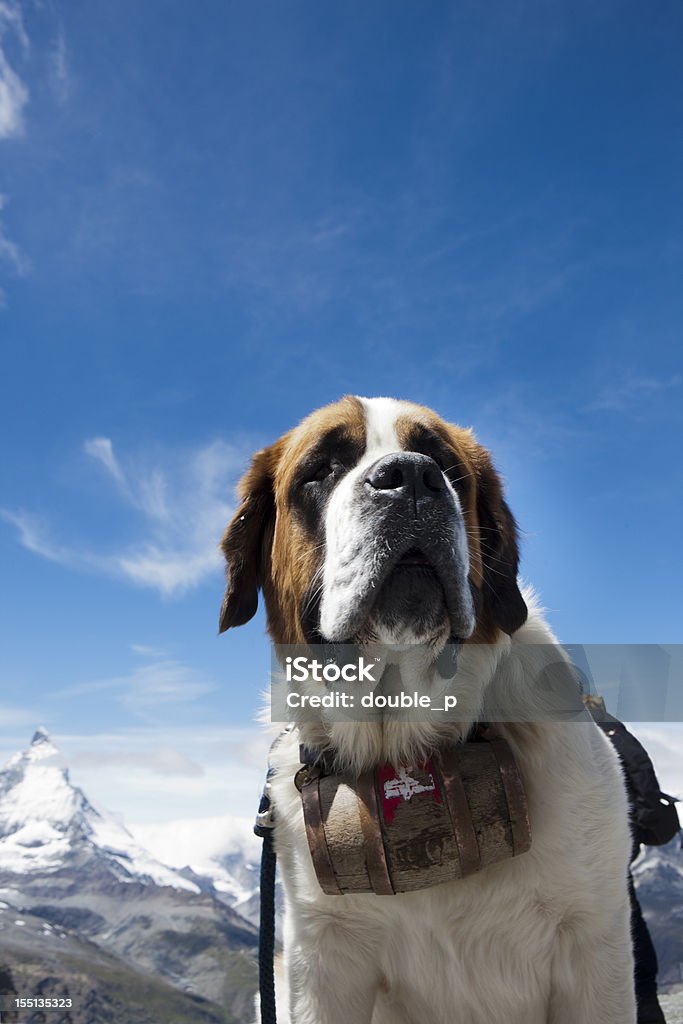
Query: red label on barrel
[(407, 782)]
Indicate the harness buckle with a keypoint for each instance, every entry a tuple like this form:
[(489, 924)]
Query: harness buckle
[(306, 774)]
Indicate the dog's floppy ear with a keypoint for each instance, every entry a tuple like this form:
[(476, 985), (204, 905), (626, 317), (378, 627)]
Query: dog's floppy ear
[(501, 596), (247, 539)]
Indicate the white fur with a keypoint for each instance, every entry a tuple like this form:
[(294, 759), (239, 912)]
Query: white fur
[(540, 939)]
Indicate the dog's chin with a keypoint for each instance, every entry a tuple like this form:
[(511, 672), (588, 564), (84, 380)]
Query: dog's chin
[(411, 606), (416, 599)]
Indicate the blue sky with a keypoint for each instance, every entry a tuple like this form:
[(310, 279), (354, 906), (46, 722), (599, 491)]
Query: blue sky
[(214, 220)]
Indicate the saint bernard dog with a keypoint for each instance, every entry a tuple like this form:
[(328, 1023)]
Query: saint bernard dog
[(375, 520)]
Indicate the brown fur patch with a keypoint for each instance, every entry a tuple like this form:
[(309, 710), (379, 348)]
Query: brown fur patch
[(265, 544)]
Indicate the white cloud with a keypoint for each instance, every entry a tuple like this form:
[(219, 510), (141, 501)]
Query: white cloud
[(9, 250), (162, 683), (148, 651), (184, 502), (630, 389), (130, 772), (159, 761), (13, 91), (13, 98), (33, 535), (200, 842), (10, 18), (154, 567), (102, 449), (148, 687), (60, 75), (12, 717)]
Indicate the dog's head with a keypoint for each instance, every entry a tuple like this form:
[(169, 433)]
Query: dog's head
[(374, 520)]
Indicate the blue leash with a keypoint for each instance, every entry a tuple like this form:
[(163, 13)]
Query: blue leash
[(263, 827)]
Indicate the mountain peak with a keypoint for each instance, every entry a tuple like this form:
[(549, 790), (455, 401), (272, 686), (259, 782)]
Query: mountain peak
[(47, 823), (40, 736), (42, 748)]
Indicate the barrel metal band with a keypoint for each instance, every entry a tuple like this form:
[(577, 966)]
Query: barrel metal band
[(375, 854), (315, 834), (461, 816), (514, 794)]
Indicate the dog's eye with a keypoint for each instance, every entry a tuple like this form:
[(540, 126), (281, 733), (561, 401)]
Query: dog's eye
[(323, 471)]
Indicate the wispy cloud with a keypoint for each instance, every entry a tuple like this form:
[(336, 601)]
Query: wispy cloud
[(60, 75), (629, 390), (13, 90), (34, 536), (13, 717), (162, 687), (184, 502), (101, 448), (147, 651), (159, 761), (165, 682), (10, 253)]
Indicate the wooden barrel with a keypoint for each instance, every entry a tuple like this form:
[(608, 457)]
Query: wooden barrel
[(402, 829)]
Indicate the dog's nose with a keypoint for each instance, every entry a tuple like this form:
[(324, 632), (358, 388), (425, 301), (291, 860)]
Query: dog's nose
[(407, 475)]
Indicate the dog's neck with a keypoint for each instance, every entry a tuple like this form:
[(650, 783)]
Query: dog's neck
[(403, 737), (521, 696)]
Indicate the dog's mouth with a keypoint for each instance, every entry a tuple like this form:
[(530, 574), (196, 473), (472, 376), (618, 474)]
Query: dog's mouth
[(417, 593), (414, 558)]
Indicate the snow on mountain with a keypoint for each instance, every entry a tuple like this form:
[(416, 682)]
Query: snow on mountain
[(223, 849), (48, 825), (45, 822), (78, 892), (661, 867)]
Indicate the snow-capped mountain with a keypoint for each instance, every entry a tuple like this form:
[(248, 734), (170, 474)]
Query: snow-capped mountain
[(46, 823), (79, 893)]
